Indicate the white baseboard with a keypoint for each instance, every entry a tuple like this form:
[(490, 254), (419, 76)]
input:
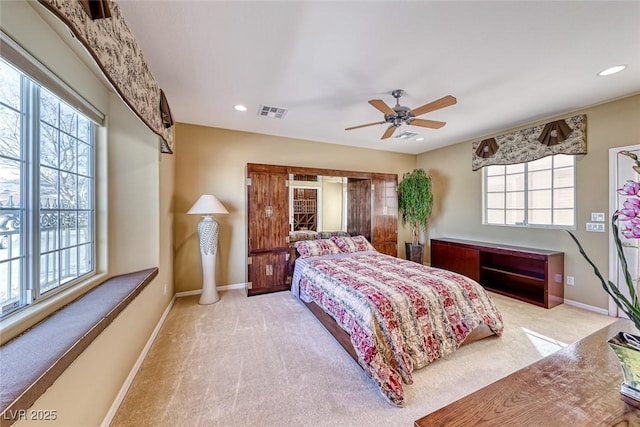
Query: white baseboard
[(220, 288), (586, 307), (134, 370)]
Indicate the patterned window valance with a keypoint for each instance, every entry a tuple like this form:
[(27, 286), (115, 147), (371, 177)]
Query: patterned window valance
[(568, 136), (113, 47)]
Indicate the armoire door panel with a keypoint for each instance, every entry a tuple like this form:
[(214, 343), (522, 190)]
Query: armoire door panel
[(269, 272), (268, 205)]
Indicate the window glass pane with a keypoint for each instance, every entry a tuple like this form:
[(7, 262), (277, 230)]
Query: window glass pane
[(494, 170), (495, 200), (515, 182), (495, 216), (495, 183), (543, 163), (68, 190), (68, 153), (514, 216), (560, 160), (68, 120), (10, 133), (48, 188), (49, 107), (539, 216), (563, 198), (48, 145), (517, 168), (68, 265), (563, 177), (84, 159), (84, 192), (48, 231), (85, 257), (84, 227), (563, 217), (49, 272), (10, 278), (68, 232), (540, 179), (515, 199), (84, 129), (540, 199), (12, 254), (10, 86)]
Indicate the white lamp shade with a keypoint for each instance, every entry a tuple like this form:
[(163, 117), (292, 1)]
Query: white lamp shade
[(207, 204)]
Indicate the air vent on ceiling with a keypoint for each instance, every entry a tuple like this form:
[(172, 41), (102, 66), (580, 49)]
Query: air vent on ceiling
[(271, 111), (406, 135)]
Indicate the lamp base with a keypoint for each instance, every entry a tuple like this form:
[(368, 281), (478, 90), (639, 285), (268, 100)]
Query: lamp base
[(209, 297), (208, 233)]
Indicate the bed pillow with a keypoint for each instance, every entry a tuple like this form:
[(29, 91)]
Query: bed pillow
[(308, 248), (353, 244), (330, 234)]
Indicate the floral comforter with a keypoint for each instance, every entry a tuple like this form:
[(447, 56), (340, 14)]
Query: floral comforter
[(401, 315)]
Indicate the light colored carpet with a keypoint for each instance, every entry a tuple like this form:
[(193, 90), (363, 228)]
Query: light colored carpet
[(267, 361)]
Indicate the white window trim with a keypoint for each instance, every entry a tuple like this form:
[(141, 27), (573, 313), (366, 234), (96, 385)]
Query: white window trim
[(526, 205)]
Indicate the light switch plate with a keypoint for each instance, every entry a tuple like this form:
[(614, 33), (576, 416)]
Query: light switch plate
[(595, 227), (597, 216)]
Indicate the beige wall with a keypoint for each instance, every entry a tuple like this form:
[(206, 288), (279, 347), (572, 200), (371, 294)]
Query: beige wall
[(458, 197), (135, 210), (211, 160)]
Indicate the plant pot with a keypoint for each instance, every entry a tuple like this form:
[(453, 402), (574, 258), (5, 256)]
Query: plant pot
[(415, 252), (627, 348)]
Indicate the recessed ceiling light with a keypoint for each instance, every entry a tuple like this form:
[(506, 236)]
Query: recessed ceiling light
[(421, 138), (240, 107), (612, 70)]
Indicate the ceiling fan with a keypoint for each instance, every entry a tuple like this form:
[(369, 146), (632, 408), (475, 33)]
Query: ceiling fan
[(399, 114)]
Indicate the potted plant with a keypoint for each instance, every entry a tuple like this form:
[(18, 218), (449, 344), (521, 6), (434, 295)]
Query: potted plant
[(415, 201), (625, 345)]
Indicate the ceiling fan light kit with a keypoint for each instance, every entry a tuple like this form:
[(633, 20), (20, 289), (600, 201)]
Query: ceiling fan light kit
[(400, 114)]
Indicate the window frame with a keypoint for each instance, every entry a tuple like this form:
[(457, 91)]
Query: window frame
[(525, 223), (30, 287)]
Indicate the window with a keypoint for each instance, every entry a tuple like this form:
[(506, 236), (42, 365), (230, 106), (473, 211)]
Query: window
[(534, 194), (47, 239)]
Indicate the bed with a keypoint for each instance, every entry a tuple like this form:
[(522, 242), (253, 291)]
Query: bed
[(393, 316)]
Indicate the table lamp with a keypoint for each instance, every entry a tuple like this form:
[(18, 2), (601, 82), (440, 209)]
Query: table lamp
[(208, 205)]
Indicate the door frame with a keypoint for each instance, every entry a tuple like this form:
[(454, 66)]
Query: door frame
[(614, 260)]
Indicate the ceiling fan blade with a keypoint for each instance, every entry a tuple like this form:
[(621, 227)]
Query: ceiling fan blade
[(445, 101), (433, 124), (362, 126), (387, 133), (382, 106)]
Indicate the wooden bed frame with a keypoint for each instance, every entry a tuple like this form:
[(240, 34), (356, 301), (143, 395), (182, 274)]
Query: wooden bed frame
[(344, 338)]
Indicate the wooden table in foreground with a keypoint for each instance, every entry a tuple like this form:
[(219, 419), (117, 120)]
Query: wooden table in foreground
[(576, 386)]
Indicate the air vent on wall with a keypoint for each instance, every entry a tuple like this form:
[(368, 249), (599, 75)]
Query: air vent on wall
[(270, 111)]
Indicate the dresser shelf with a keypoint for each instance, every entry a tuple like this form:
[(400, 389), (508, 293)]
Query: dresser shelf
[(532, 275)]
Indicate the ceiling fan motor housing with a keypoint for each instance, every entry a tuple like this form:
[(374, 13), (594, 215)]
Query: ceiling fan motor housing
[(403, 114)]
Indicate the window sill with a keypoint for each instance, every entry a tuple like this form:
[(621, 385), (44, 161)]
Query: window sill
[(32, 361), (24, 318)]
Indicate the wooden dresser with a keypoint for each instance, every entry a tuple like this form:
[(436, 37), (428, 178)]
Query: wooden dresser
[(576, 386), (532, 275)]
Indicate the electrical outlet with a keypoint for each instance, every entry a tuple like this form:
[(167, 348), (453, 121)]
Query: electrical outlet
[(570, 281), (597, 216), (595, 227)]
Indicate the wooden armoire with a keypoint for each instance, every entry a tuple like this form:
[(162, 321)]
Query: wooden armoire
[(372, 211)]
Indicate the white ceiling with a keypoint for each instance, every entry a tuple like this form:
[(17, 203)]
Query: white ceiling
[(507, 63)]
